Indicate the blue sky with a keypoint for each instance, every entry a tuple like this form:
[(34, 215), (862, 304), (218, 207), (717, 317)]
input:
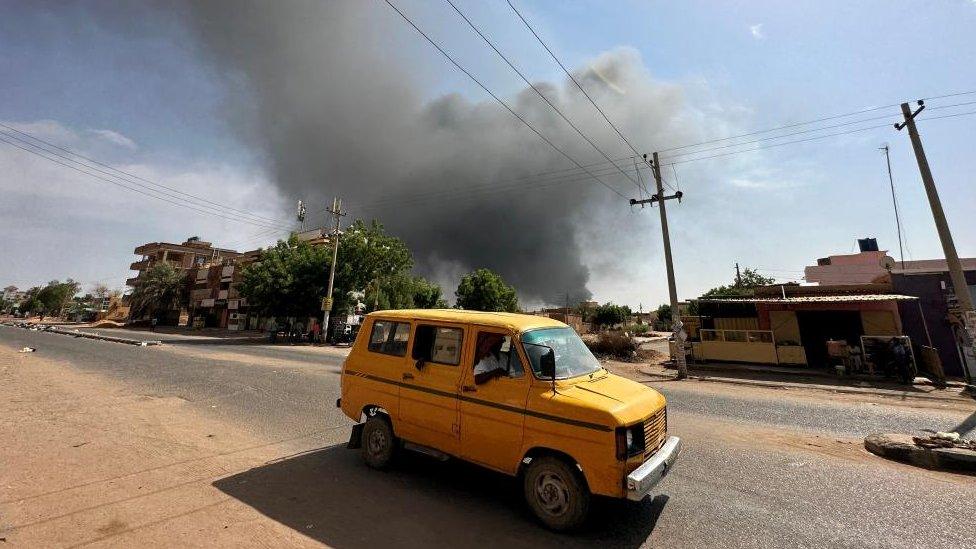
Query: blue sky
[(88, 68)]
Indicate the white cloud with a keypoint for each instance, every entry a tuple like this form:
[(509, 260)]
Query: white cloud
[(56, 222), (115, 138), (756, 31)]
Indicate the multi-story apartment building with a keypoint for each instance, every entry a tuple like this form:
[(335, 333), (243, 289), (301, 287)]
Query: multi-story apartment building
[(213, 276), (192, 253)]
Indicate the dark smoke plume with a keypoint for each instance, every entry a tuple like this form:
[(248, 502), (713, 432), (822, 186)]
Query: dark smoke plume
[(321, 90)]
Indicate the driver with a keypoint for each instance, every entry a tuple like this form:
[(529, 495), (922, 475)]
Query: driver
[(490, 363)]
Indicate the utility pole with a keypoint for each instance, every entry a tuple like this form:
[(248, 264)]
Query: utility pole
[(738, 275), (956, 274), (894, 202), (337, 213), (679, 335), (301, 214)]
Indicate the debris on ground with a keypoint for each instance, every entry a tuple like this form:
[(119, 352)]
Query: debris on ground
[(944, 440), (28, 350)]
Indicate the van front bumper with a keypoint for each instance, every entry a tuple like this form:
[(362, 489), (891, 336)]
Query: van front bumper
[(645, 478)]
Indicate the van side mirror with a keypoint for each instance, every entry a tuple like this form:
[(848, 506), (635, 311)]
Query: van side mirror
[(547, 364)]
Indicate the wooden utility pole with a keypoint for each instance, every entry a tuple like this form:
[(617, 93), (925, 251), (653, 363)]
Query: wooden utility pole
[(678, 355), (337, 213), (956, 274)]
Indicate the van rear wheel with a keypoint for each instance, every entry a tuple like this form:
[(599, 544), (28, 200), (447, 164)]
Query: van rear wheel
[(378, 443), (556, 493)]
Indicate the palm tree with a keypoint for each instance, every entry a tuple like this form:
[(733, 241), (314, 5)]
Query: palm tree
[(163, 288)]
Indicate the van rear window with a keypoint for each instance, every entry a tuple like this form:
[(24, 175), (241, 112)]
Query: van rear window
[(389, 338)]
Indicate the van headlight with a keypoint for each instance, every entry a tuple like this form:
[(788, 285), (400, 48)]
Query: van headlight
[(630, 441)]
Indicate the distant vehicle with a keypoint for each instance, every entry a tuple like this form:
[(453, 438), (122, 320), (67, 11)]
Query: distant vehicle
[(519, 394)]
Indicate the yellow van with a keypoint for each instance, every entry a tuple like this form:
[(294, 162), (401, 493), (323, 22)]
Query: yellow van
[(519, 394)]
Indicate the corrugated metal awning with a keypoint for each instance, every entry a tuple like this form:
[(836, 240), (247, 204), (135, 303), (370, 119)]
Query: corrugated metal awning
[(813, 299)]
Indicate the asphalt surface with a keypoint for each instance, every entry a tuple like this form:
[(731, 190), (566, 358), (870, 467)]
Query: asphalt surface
[(755, 472)]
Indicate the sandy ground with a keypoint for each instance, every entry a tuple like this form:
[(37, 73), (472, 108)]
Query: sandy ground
[(86, 463)]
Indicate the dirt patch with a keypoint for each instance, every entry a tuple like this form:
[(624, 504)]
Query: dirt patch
[(86, 460)]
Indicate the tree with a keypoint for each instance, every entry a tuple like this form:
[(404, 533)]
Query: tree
[(290, 279), (483, 290), (100, 291), (162, 289), (664, 314), (610, 314), (57, 295), (749, 280), (403, 291)]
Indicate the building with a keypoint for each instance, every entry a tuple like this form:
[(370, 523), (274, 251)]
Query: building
[(932, 320), (935, 320), (792, 324), (863, 267), (192, 253)]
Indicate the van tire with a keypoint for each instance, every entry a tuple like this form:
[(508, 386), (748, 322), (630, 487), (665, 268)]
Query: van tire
[(378, 442), (556, 493)]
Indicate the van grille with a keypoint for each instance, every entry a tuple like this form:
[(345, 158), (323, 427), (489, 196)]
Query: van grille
[(655, 431)]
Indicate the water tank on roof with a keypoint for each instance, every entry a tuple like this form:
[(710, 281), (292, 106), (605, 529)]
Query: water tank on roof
[(868, 244)]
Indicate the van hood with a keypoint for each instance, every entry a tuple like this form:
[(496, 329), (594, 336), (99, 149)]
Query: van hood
[(626, 400)]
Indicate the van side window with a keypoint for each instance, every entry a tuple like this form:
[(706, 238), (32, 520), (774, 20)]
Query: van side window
[(389, 338), (496, 352), (438, 344)]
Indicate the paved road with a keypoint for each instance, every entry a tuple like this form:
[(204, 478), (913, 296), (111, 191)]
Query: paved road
[(757, 471)]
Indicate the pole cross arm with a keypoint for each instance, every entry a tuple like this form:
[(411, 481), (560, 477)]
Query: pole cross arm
[(921, 107), (655, 198)]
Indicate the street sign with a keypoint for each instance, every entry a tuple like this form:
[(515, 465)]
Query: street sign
[(326, 303)]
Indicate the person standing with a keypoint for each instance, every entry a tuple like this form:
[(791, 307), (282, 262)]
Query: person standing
[(316, 330)]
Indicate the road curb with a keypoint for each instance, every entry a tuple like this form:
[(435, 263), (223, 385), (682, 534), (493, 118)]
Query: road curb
[(89, 335), (815, 387), (899, 447)]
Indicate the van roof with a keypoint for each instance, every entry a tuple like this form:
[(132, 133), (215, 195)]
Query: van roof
[(512, 321)]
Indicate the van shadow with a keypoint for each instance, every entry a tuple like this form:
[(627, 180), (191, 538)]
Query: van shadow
[(329, 495)]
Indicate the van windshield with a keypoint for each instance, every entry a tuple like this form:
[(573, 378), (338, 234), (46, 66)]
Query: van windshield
[(573, 358)]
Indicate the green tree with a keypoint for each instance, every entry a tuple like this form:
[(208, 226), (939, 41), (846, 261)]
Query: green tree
[(483, 290), (291, 278), (163, 288), (610, 314), (745, 287), (403, 291), (288, 279), (664, 314), (57, 295)]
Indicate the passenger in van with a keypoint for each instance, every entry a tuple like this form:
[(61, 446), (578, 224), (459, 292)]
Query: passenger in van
[(490, 361)]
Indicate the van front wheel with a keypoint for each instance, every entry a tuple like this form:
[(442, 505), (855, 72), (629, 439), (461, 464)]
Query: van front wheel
[(378, 442), (556, 493)]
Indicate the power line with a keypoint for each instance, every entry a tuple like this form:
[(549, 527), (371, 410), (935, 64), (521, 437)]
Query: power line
[(855, 130), (808, 122), (497, 99), (573, 78), (5, 138), (849, 123), (92, 160), (539, 93)]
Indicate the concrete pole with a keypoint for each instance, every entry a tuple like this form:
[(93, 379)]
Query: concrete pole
[(956, 274), (679, 339), (336, 212)]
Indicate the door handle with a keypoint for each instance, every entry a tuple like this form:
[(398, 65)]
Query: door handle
[(469, 389), (407, 375)]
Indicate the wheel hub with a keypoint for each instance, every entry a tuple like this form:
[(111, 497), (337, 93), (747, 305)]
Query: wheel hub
[(552, 493), (377, 442)]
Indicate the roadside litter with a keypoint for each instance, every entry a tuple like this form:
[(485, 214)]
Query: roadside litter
[(28, 350)]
